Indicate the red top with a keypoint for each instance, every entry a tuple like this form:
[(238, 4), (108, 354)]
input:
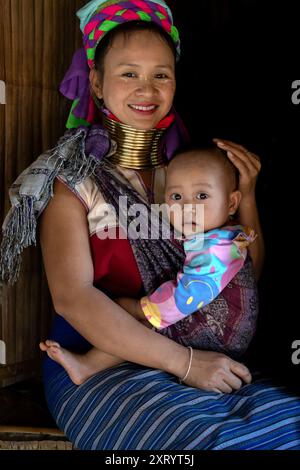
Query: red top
[(115, 270)]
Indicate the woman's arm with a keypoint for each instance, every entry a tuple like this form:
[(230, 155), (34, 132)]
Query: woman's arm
[(248, 165), (69, 269), (248, 215)]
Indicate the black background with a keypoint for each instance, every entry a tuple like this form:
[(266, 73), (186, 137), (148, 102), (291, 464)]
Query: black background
[(239, 60)]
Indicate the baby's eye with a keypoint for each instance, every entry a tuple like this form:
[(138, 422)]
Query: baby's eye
[(175, 196), (202, 196), (129, 74)]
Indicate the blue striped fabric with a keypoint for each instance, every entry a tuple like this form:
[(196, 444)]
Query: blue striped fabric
[(131, 407)]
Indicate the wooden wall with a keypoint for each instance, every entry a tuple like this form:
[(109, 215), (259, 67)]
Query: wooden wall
[(37, 41)]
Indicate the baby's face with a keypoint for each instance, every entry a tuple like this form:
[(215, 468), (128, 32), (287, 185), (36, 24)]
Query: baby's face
[(197, 183)]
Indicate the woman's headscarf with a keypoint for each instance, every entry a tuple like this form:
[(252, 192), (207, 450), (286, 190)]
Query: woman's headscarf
[(97, 18)]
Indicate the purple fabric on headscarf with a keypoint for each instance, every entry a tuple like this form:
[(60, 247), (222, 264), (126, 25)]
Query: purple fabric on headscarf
[(76, 84)]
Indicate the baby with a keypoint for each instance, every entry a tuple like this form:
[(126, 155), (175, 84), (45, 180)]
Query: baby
[(212, 258), (215, 249)]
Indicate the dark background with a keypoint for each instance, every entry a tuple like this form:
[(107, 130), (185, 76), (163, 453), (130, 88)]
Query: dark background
[(239, 60)]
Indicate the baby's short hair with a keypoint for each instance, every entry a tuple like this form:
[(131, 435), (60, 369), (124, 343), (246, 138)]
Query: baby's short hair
[(213, 152)]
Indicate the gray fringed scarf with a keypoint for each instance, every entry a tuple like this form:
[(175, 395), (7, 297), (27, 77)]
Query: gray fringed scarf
[(31, 192), (80, 154)]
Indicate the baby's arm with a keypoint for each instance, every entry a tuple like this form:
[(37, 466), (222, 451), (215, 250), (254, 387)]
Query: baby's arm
[(132, 306), (207, 271)]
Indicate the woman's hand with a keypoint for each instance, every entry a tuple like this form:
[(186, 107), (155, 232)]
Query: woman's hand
[(247, 163), (213, 371)]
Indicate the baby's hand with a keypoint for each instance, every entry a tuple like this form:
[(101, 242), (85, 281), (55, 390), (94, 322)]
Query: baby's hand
[(132, 306)]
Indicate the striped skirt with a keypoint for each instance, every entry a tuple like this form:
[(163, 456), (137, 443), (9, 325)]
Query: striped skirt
[(131, 407)]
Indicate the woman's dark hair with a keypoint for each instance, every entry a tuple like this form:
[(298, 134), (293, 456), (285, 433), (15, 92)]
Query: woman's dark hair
[(127, 28)]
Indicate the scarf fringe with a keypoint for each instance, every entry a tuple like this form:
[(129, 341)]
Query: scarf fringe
[(77, 166), (68, 159), (20, 232)]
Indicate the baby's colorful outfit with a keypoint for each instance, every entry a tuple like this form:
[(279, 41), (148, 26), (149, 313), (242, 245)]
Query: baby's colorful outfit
[(212, 260)]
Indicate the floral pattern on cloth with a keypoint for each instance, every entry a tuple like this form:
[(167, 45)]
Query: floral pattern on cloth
[(212, 259)]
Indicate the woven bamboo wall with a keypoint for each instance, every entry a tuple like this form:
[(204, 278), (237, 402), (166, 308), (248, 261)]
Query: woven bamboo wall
[(37, 40)]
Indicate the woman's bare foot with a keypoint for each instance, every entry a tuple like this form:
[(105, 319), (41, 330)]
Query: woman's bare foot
[(75, 364)]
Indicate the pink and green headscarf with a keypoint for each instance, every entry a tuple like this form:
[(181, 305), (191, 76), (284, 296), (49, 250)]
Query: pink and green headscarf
[(97, 18)]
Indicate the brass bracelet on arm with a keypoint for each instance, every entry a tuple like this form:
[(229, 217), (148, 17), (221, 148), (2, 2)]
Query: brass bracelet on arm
[(190, 365)]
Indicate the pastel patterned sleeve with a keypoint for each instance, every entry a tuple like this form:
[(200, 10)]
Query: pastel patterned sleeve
[(212, 260)]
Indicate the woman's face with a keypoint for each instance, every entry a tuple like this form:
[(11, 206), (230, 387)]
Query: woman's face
[(138, 85)]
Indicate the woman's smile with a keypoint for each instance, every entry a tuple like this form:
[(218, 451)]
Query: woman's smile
[(144, 109)]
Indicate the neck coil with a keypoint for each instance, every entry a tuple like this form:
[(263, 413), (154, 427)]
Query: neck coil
[(137, 149)]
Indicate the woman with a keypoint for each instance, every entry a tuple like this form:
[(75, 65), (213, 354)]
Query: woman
[(140, 404)]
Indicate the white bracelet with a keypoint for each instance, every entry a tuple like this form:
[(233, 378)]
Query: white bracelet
[(190, 365)]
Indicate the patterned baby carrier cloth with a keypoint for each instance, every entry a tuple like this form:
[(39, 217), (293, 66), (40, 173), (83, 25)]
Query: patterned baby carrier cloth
[(225, 325)]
